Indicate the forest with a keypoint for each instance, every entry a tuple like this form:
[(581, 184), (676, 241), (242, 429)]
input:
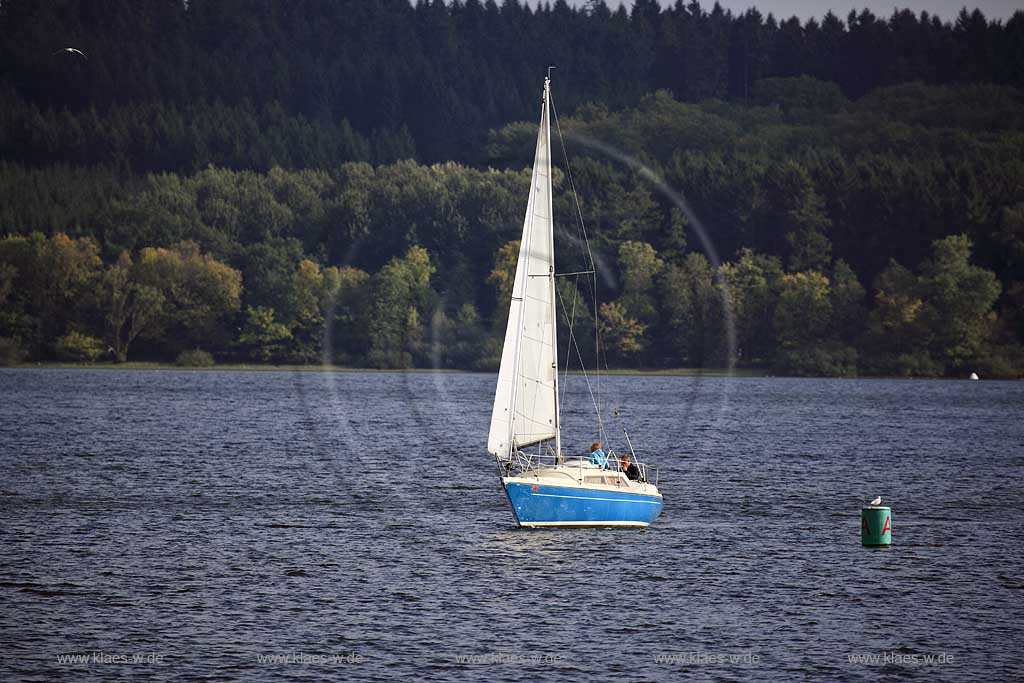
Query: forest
[(344, 182)]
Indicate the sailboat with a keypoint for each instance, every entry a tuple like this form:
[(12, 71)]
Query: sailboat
[(544, 488)]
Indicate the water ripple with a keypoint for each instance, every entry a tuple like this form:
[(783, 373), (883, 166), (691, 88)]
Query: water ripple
[(215, 518)]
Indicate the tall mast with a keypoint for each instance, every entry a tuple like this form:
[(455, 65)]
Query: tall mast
[(526, 409), (554, 293)]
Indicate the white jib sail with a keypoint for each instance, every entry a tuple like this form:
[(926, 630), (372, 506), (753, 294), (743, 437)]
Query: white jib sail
[(525, 402)]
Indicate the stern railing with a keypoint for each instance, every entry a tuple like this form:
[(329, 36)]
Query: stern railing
[(524, 462)]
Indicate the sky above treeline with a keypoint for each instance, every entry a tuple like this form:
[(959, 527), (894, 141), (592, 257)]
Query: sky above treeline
[(805, 9)]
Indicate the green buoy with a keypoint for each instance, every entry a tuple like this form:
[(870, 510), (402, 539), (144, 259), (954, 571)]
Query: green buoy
[(876, 524)]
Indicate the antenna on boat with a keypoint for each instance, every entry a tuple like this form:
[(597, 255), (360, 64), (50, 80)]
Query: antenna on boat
[(549, 71), (624, 432), (628, 442)]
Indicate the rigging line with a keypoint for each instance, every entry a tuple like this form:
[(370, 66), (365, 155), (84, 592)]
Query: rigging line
[(578, 272), (572, 185), (583, 369), (568, 347), (622, 425), (590, 256), (599, 354)]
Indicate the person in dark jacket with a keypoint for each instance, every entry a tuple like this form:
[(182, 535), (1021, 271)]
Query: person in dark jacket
[(630, 468)]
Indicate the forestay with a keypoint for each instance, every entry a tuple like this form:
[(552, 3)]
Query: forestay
[(526, 400)]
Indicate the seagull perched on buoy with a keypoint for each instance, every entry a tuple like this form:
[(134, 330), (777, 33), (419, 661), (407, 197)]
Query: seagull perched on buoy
[(876, 501), (72, 50)]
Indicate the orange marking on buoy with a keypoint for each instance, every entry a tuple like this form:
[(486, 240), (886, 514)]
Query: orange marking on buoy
[(534, 487), (887, 526)]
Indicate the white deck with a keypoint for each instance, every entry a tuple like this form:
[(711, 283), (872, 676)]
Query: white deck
[(582, 474)]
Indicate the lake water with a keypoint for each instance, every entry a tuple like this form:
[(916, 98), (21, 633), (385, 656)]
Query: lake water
[(205, 522)]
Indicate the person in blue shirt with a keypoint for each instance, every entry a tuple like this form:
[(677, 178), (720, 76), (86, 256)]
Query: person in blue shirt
[(597, 456)]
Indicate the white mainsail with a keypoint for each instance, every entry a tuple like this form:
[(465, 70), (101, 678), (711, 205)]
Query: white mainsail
[(526, 400)]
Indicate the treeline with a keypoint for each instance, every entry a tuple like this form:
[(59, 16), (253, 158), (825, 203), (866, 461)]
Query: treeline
[(883, 235), (58, 294), (266, 180), (169, 85)]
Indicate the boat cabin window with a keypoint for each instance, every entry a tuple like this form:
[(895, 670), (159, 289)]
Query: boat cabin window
[(607, 480)]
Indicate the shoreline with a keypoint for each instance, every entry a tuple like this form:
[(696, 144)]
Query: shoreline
[(258, 367)]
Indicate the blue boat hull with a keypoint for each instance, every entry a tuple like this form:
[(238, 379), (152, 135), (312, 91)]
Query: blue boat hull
[(541, 505)]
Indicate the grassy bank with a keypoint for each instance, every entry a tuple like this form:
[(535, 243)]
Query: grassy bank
[(251, 367), (239, 367), (256, 367)]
